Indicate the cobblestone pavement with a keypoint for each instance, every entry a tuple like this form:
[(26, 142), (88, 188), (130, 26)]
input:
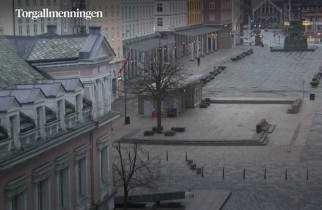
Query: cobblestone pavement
[(262, 74)]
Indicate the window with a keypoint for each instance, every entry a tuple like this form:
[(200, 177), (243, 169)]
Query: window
[(211, 5), (118, 11), (16, 193), (41, 180), (82, 172), (211, 17), (106, 33), (27, 2), (19, 2), (118, 32), (34, 2), (20, 30), (112, 11), (159, 22), (104, 164), (63, 187), (48, 2), (106, 14), (18, 201), (28, 29), (35, 27), (65, 24), (41, 2), (159, 7)]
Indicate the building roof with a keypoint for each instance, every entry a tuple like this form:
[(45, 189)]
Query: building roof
[(5, 102), (23, 95), (68, 84), (56, 48), (13, 69), (149, 44), (50, 90), (201, 30)]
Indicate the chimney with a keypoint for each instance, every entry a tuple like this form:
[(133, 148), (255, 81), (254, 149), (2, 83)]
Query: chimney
[(95, 30), (51, 29)]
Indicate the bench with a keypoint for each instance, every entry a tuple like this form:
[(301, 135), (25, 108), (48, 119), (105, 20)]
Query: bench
[(148, 133), (169, 133), (260, 125), (203, 105), (295, 106), (189, 162), (178, 129)]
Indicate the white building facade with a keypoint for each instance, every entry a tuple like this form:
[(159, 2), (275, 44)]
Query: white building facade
[(170, 15), (137, 18)]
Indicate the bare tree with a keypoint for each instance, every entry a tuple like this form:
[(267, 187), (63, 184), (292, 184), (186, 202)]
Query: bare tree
[(134, 168), (159, 77)]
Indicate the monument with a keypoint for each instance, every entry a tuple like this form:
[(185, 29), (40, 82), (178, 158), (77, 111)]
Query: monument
[(296, 41)]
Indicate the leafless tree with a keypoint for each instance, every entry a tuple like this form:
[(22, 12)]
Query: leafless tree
[(134, 168), (159, 77)]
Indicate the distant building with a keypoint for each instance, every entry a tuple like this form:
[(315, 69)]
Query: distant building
[(12, 25), (194, 8), (267, 15), (6, 18), (170, 15), (111, 23), (218, 14), (54, 152), (311, 13), (86, 57)]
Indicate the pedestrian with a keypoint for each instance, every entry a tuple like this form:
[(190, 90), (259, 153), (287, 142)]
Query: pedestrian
[(198, 60), (270, 46)]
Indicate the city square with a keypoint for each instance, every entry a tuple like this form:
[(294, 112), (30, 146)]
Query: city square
[(152, 104)]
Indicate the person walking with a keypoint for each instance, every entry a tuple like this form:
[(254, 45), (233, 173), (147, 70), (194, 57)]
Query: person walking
[(198, 60), (270, 46)]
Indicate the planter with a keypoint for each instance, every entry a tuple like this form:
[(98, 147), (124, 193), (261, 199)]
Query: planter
[(314, 83), (148, 133), (222, 67)]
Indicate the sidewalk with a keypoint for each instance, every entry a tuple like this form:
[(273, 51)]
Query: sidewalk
[(217, 58)]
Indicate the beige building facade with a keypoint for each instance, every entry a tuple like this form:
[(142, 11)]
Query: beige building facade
[(6, 18), (194, 12), (111, 23)]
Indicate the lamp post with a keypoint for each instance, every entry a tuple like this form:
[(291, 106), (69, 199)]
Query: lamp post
[(126, 118)]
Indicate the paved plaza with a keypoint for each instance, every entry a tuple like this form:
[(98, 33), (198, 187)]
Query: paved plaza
[(293, 156)]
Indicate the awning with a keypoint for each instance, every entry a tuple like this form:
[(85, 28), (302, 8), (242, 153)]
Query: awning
[(149, 44), (197, 31)]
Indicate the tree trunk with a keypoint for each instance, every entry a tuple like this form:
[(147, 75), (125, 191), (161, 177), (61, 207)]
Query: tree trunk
[(126, 195), (159, 114)]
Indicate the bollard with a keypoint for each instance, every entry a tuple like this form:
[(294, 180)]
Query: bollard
[(307, 174), (285, 174), (167, 156), (244, 174), (223, 172), (186, 157), (265, 174), (202, 171)]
